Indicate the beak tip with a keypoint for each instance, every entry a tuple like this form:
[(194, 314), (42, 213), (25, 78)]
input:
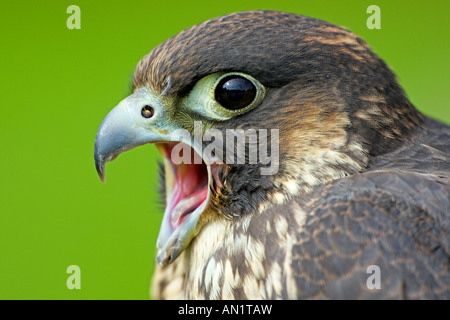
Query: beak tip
[(161, 261), (101, 175), (100, 166), (163, 258)]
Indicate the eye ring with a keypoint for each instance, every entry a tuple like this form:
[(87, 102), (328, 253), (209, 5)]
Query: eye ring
[(235, 92), (147, 111), (203, 97)]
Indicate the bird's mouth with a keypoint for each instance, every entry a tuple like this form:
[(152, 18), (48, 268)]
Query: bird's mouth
[(187, 182), (187, 194)]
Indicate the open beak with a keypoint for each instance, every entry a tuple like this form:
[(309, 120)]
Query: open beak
[(187, 184)]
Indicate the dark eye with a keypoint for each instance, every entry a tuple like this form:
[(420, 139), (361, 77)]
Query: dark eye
[(147, 112), (235, 92)]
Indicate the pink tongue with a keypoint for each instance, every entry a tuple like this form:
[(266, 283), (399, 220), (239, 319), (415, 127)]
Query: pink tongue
[(187, 206), (187, 196)]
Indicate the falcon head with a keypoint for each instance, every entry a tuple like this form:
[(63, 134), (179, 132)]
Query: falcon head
[(311, 95)]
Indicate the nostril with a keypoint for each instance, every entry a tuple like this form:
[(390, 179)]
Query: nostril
[(147, 111)]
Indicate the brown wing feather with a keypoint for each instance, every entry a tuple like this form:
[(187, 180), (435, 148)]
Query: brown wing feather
[(396, 221)]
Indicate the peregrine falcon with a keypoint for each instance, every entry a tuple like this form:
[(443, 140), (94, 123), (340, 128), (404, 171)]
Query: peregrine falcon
[(357, 206)]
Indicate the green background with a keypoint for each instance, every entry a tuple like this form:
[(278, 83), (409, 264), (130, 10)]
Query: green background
[(57, 85)]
